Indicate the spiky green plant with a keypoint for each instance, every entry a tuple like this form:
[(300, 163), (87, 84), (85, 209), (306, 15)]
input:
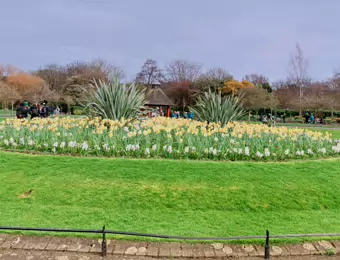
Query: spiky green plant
[(213, 107), (115, 100)]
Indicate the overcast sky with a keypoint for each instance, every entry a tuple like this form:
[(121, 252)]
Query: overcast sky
[(243, 36)]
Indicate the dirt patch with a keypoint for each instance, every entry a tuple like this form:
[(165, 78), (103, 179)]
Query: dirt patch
[(25, 195)]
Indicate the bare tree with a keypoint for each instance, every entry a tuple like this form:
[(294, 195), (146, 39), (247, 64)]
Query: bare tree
[(253, 99), (183, 71), (8, 94), (54, 75), (9, 70), (299, 66), (108, 69), (149, 73), (256, 79), (218, 74)]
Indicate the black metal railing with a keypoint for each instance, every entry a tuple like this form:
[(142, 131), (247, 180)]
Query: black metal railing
[(104, 232)]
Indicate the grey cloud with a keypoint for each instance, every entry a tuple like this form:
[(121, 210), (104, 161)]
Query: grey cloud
[(242, 36)]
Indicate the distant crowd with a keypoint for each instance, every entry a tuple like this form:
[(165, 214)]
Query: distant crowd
[(36, 110), (187, 115)]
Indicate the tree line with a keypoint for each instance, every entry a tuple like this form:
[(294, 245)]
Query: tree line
[(181, 80)]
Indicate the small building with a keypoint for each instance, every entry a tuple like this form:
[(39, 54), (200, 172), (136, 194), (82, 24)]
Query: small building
[(157, 99)]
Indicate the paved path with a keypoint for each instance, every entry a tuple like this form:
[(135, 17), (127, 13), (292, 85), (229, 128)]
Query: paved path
[(14, 254), (31, 247)]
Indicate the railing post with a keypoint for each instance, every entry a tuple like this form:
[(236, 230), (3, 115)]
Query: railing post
[(267, 247), (104, 244)]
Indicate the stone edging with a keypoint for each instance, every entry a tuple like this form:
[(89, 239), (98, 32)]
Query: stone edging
[(175, 250)]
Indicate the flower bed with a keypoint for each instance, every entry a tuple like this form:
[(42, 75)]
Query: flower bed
[(164, 138)]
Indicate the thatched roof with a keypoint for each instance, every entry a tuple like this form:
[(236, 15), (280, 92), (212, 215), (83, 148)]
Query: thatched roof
[(157, 97)]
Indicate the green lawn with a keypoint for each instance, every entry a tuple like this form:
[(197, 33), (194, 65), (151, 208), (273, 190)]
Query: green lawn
[(187, 198)]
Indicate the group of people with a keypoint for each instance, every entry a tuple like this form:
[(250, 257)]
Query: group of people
[(186, 115), (35, 110), (267, 119)]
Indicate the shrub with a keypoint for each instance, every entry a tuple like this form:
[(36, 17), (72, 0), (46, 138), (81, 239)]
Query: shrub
[(212, 107), (115, 100)]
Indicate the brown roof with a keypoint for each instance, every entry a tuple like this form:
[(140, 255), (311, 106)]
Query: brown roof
[(157, 97)]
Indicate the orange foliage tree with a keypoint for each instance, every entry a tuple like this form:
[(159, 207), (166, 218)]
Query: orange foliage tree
[(234, 86), (25, 84)]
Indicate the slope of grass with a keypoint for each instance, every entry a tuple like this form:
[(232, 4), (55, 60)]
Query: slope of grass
[(173, 197)]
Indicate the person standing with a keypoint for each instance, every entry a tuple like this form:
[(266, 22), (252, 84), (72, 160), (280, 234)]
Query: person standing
[(307, 117), (284, 118), (44, 111), (34, 111)]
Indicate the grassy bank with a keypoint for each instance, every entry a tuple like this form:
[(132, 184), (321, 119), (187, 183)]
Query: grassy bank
[(173, 197)]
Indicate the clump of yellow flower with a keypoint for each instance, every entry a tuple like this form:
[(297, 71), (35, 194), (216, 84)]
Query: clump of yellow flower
[(164, 137)]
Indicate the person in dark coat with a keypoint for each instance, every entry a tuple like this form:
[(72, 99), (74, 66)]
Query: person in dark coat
[(34, 111), (44, 110), (19, 112)]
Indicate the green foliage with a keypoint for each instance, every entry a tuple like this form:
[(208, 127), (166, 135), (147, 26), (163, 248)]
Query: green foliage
[(212, 107), (115, 101), (267, 87)]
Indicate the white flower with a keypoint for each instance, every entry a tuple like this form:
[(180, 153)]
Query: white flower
[(55, 144), (6, 142), (30, 142), (72, 144), (147, 151), (46, 145), (216, 139), (214, 152), (1, 137), (106, 147), (206, 150), (54, 150), (235, 150), (22, 141), (193, 148), (154, 147), (287, 152), (310, 151), (97, 147), (62, 145), (258, 154), (323, 150), (85, 146), (164, 147), (246, 151), (186, 149), (14, 144), (11, 140), (301, 153), (336, 148), (136, 147), (240, 151), (266, 152), (232, 141), (169, 149)]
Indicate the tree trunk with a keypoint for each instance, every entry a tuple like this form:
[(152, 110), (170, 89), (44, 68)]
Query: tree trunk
[(249, 116)]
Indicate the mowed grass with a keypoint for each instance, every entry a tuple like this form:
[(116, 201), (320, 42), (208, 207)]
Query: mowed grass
[(186, 198)]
